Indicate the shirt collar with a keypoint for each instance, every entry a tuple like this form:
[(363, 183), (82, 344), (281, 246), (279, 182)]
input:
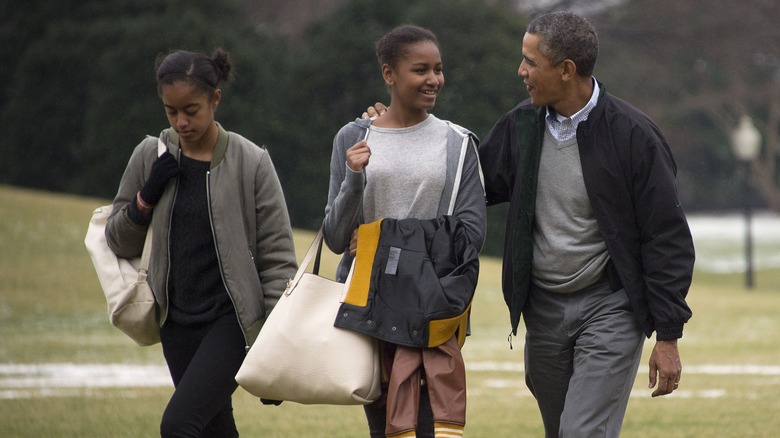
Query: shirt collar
[(580, 115)]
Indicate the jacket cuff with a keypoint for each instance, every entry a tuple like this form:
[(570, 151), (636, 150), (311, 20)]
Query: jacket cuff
[(669, 332), (354, 179), (135, 215)]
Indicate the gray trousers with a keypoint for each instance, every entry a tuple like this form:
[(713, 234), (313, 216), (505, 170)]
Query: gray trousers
[(582, 352)]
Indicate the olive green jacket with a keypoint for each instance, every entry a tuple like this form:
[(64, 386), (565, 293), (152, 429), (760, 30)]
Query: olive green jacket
[(249, 221)]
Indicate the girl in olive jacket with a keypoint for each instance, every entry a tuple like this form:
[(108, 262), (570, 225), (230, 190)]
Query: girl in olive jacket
[(222, 248)]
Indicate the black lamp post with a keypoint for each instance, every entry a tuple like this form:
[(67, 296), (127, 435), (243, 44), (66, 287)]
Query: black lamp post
[(746, 145)]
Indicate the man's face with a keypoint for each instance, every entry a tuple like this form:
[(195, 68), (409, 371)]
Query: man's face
[(542, 79)]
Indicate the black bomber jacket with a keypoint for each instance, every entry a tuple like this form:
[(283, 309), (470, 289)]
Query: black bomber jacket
[(629, 175), (413, 281)]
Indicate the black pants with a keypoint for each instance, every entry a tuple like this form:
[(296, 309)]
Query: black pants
[(203, 360)]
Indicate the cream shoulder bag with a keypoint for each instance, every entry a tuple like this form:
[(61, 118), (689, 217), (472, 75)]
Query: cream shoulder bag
[(132, 307), (299, 356)]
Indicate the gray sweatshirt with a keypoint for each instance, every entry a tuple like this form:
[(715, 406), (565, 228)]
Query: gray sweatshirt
[(462, 193)]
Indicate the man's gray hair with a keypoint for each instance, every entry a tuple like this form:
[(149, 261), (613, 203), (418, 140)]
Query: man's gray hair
[(565, 35)]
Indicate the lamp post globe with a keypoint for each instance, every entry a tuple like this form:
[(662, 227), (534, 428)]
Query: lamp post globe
[(746, 140)]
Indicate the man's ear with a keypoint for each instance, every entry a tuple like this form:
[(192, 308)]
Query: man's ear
[(568, 69)]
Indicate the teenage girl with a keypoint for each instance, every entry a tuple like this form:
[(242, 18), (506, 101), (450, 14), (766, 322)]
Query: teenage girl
[(401, 165), (222, 246)]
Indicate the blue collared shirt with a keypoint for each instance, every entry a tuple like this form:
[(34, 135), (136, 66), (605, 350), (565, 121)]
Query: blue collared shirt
[(565, 128)]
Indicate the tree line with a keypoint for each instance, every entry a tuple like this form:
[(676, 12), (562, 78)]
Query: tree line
[(77, 87)]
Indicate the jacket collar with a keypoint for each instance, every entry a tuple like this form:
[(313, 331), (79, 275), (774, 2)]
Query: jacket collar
[(595, 114), (219, 150)]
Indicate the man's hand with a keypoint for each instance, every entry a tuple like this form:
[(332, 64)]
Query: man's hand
[(375, 111), (665, 368)]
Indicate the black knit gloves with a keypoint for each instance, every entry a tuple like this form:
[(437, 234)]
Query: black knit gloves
[(165, 168)]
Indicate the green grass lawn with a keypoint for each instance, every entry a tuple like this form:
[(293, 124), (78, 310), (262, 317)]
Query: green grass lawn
[(52, 312)]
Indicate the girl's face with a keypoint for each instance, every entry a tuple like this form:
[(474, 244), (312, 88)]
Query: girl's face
[(190, 113), (417, 78)]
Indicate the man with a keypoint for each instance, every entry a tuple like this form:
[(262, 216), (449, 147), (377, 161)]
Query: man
[(598, 253)]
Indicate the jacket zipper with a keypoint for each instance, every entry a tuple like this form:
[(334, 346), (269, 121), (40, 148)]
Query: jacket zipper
[(164, 317), (219, 259)]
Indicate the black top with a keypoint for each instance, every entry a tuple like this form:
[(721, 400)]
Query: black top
[(196, 291)]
